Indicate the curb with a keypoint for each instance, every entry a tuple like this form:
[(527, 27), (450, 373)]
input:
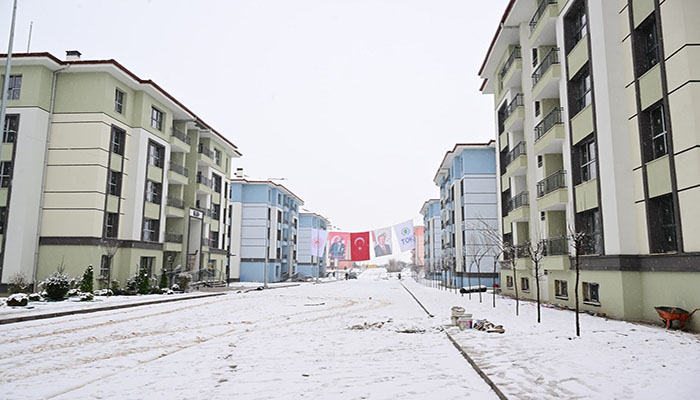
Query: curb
[(417, 301), (25, 318)]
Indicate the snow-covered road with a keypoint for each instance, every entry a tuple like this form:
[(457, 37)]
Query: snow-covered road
[(286, 343)]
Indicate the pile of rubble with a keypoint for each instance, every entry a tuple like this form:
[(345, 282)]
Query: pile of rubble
[(488, 327)]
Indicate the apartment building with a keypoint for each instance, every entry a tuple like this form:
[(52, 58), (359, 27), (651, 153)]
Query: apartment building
[(93, 154), (595, 103), (468, 200), (310, 265), (263, 232), (432, 235), (418, 254)]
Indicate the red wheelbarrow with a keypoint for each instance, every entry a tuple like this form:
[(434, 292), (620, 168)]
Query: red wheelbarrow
[(669, 314)]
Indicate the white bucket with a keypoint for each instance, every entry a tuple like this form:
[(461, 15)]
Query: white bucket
[(456, 313)]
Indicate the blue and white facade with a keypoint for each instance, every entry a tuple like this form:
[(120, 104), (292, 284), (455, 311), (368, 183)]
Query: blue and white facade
[(310, 266), (264, 223), (468, 195), (432, 235)]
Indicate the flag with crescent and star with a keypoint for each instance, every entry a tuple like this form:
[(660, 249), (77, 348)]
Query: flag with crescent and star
[(359, 245), (406, 235)]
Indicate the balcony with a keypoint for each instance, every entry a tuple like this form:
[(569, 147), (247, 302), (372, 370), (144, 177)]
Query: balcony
[(204, 184), (173, 242), (518, 208), (549, 133), (206, 155), (179, 141), (177, 174), (542, 23), (174, 207), (545, 79), (556, 254), (514, 114), (516, 160), (512, 69), (552, 193)]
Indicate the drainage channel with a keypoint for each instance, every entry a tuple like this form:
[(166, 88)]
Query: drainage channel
[(459, 348)]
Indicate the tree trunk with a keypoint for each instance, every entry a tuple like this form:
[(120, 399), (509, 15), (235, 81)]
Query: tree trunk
[(494, 282), (515, 287), (578, 326), (478, 278), (537, 282)]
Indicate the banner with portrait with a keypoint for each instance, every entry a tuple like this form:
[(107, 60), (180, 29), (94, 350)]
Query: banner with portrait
[(381, 242), (339, 246)]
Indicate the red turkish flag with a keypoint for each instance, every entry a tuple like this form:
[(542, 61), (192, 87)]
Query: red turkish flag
[(359, 243)]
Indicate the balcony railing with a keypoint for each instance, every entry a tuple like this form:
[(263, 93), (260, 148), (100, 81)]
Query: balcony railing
[(514, 104), (521, 251), (551, 183), (175, 202), (550, 59), (204, 180), (557, 246), (517, 151), (181, 135), (514, 55), (179, 169), (539, 12), (548, 122), (519, 200), (171, 237), (202, 149)]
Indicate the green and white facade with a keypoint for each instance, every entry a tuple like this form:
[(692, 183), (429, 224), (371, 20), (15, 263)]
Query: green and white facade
[(596, 108), (96, 155)]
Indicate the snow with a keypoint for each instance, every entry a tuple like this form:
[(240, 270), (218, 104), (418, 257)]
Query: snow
[(340, 340)]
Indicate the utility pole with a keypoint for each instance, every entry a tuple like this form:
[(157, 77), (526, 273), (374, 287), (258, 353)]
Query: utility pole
[(6, 79), (267, 253)]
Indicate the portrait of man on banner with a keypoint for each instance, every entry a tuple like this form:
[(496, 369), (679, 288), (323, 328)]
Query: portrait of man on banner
[(381, 241), (338, 245)]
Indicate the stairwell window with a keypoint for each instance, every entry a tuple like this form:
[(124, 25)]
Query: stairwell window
[(156, 118), (575, 25), (654, 138), (662, 224), (156, 155), (3, 219), (119, 98), (14, 87), (153, 190), (587, 160), (5, 173), (646, 46), (118, 141), (114, 183), (9, 134), (580, 93), (150, 230), (111, 225), (591, 293)]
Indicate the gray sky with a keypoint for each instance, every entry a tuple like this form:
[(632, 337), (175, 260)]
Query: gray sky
[(355, 102)]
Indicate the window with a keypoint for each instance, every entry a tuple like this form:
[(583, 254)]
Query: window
[(119, 97), (146, 265), (150, 230), (156, 118), (14, 87), (587, 161), (156, 154), (646, 45), (580, 94), (525, 284), (105, 266), (153, 190), (539, 160), (217, 156), (112, 225), (535, 60), (215, 211), (537, 109), (3, 219), (590, 292), (509, 282), (662, 224), (575, 25), (214, 239), (561, 289), (588, 222), (5, 173), (542, 215), (654, 139), (279, 216), (118, 141), (216, 180), (9, 134), (114, 183)]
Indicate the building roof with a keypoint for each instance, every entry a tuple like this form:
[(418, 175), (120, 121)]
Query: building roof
[(315, 215), (113, 63), (449, 155), (268, 182), (426, 204)]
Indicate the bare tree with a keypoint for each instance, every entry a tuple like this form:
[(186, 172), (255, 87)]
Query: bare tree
[(578, 242), (479, 249), (535, 250), (493, 238), (109, 249)]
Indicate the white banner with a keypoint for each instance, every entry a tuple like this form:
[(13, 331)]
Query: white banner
[(406, 235), (318, 242)]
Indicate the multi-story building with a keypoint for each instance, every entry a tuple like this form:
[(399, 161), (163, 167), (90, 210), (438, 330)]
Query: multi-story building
[(432, 236), (468, 201), (93, 154), (264, 223), (310, 265), (418, 254), (596, 111)]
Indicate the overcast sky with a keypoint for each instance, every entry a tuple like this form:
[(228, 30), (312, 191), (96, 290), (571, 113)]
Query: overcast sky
[(354, 102)]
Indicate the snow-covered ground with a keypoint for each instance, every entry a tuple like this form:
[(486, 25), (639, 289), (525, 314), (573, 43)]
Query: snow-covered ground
[(611, 360), (340, 340), (286, 343)]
